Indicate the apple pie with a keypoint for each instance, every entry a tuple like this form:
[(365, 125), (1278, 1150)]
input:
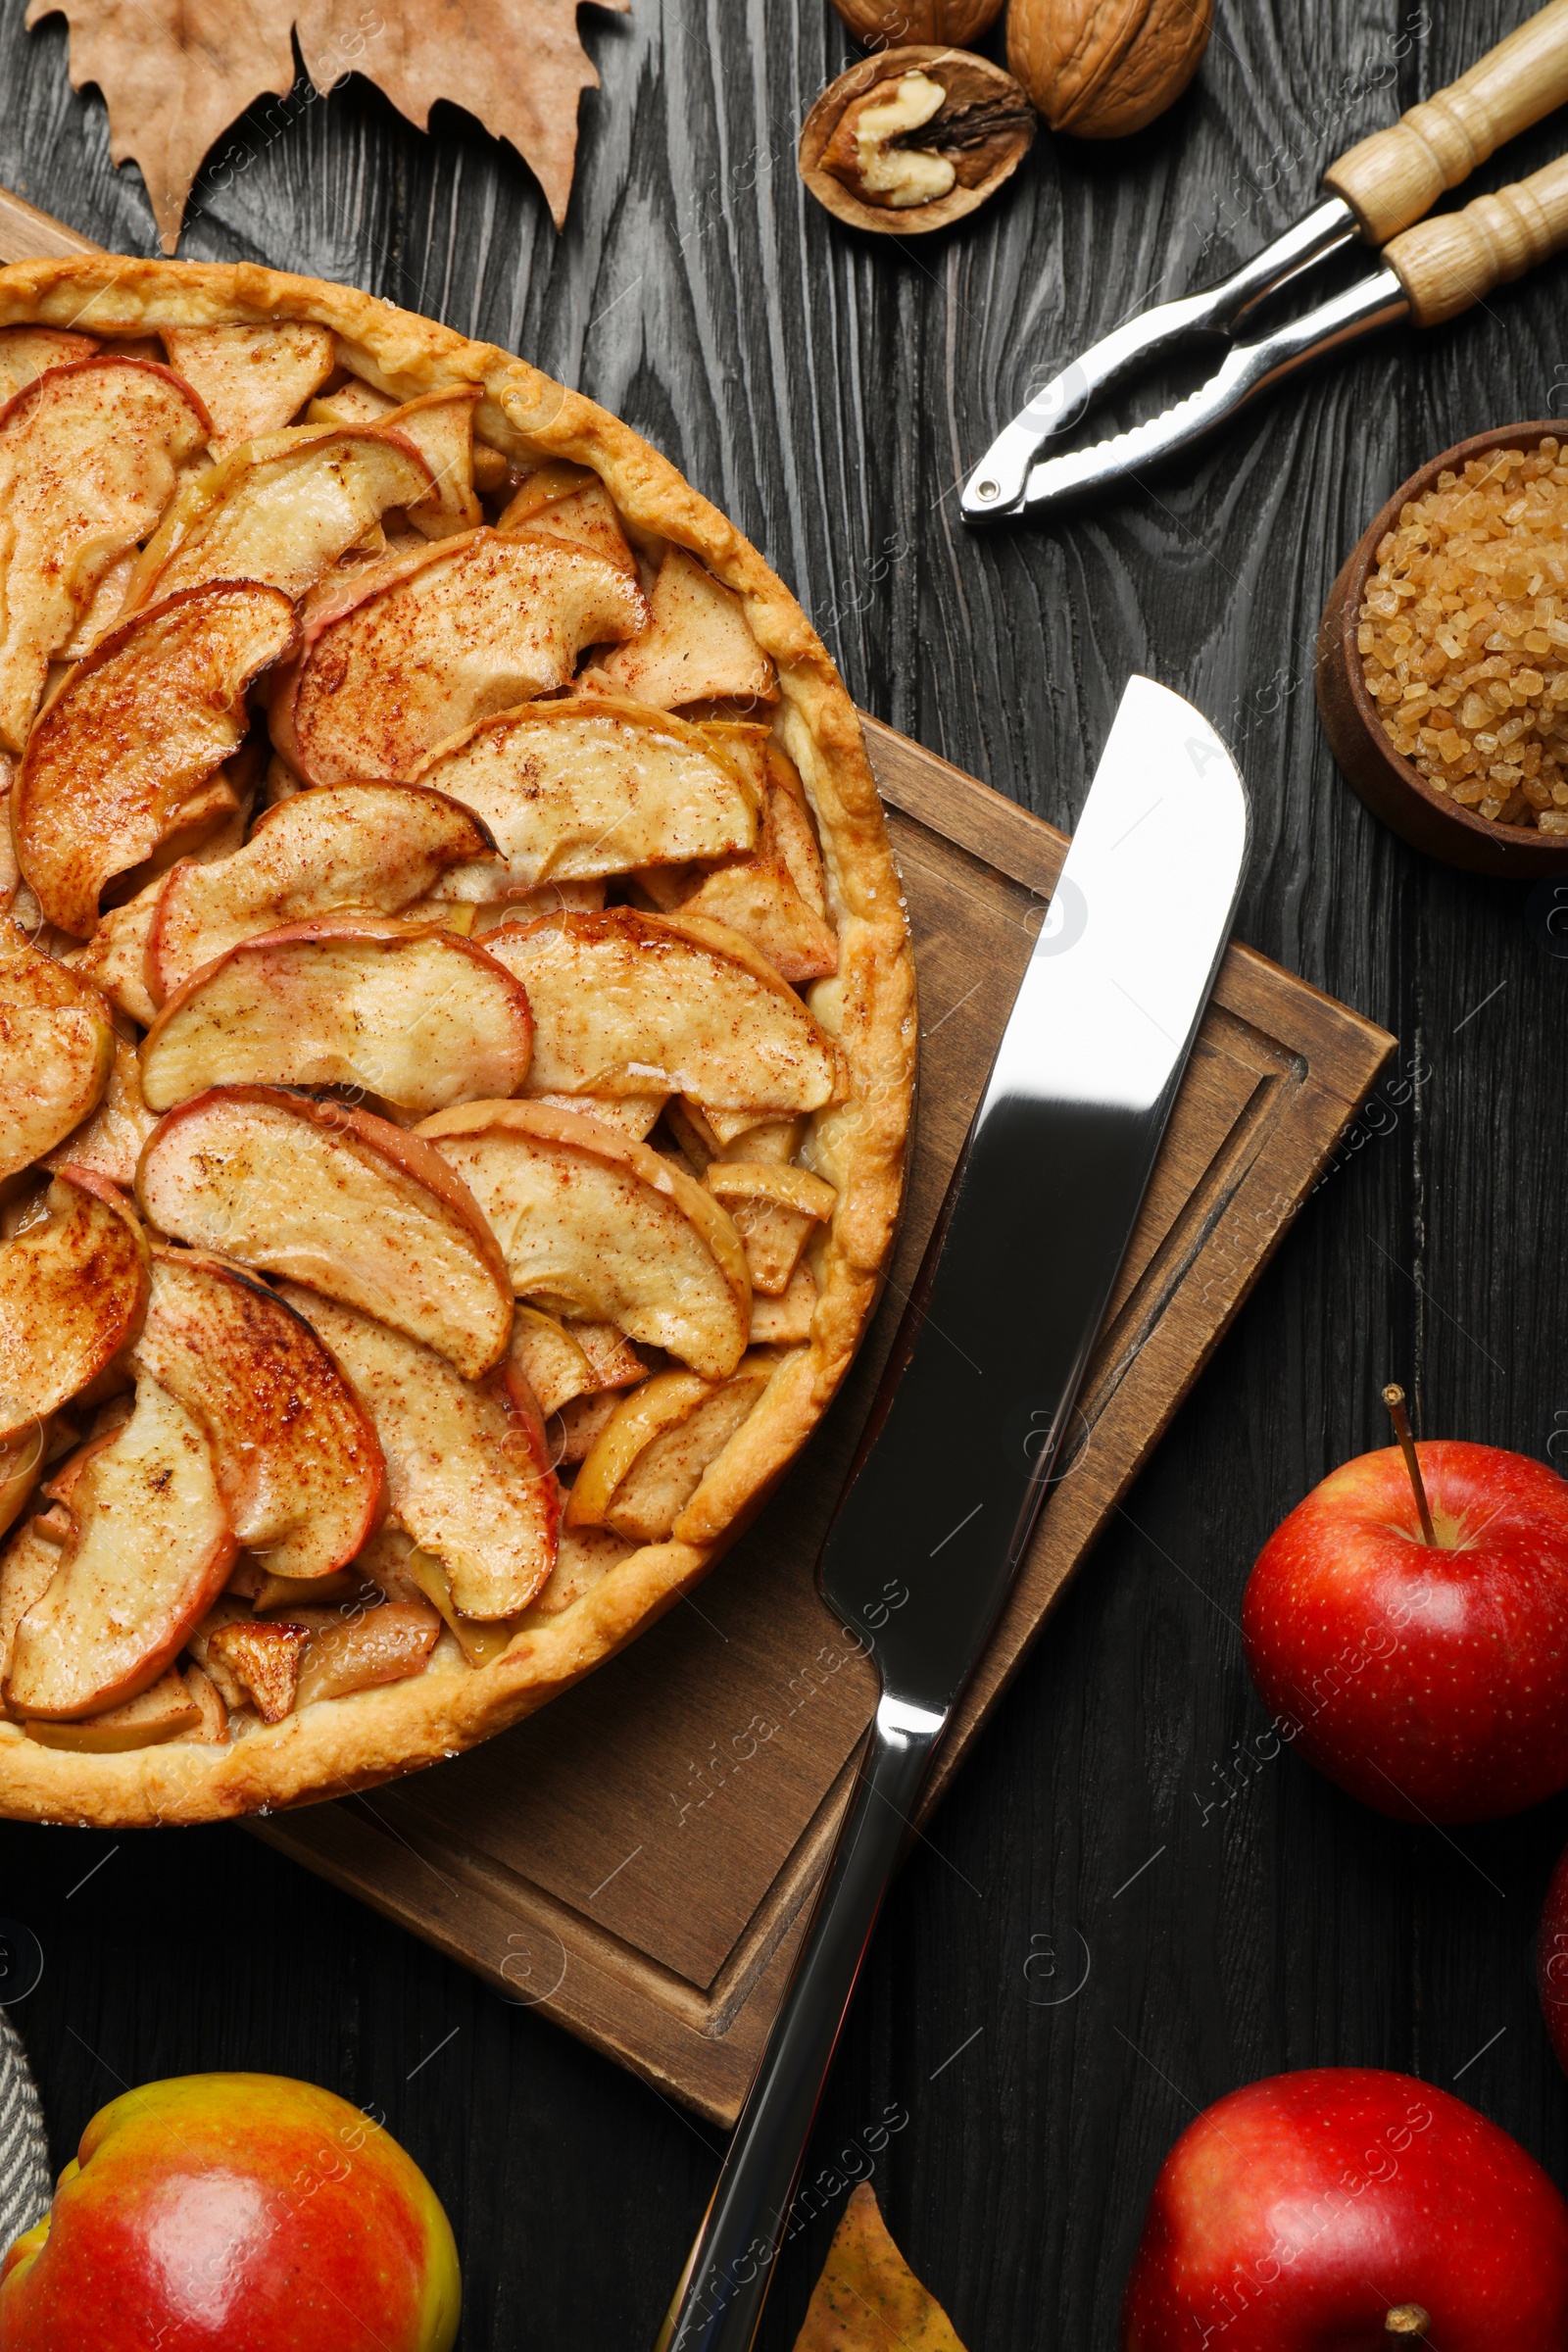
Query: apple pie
[(457, 1038)]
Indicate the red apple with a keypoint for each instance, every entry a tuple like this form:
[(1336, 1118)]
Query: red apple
[(237, 2211), (1347, 2210), (1551, 1960), (1429, 1680)]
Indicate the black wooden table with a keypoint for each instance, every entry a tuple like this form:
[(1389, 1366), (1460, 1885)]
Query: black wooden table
[(1122, 1911)]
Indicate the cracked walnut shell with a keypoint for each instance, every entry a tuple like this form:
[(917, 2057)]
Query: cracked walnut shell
[(1103, 69), (915, 139)]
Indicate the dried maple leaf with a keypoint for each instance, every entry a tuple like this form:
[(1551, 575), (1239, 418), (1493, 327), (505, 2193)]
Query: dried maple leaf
[(175, 73)]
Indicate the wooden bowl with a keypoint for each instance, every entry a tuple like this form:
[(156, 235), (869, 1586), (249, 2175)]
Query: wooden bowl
[(1393, 787)]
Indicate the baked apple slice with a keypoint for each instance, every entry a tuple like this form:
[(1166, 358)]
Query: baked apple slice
[(625, 1002), (149, 1549), (405, 656), (264, 1660), (573, 503), (134, 735), (298, 1463), (116, 956), (88, 461), (340, 1201), (21, 1461), (757, 898), (29, 352), (554, 1364), (774, 1209), (594, 785), (649, 1459), (697, 647), (440, 425), (72, 1290), (420, 1017), (57, 1048), (251, 379), (109, 1143), (167, 1710), (374, 846), (281, 510), (597, 1227), (384, 1645), (466, 1468)]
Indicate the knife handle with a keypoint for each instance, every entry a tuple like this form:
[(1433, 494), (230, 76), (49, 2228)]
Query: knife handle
[(720, 2300), (1455, 258), (1398, 174)]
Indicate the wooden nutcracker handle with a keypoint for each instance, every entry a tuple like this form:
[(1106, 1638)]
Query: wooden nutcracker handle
[(1452, 261), (1394, 176)]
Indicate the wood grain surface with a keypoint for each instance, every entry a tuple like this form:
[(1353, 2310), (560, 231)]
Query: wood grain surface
[(1238, 1915)]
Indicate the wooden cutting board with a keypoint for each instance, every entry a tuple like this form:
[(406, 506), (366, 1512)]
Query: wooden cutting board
[(637, 1860)]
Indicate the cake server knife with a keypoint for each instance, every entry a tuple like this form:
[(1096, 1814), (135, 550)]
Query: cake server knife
[(979, 1390)]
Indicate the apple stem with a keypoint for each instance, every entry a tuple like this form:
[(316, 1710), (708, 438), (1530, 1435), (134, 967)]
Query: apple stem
[(1394, 1399), (1407, 2318)]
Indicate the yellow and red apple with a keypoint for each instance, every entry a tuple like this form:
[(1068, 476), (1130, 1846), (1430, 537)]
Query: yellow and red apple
[(246, 2211)]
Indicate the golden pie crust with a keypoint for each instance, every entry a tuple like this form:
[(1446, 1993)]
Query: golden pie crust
[(868, 1008)]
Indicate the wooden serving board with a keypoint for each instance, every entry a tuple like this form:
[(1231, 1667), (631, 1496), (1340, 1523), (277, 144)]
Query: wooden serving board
[(638, 1859)]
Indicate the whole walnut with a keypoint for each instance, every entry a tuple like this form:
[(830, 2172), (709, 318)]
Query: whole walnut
[(1101, 69), (891, 23)]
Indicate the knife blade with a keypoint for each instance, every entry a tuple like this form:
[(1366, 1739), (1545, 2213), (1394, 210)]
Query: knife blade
[(980, 1386)]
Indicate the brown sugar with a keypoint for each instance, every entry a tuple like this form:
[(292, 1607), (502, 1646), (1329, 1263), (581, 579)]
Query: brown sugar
[(1463, 636)]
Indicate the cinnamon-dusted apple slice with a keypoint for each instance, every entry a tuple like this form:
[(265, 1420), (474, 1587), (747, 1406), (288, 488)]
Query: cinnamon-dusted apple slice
[(168, 1710), (384, 1645), (420, 1017), (698, 645), (400, 660), (554, 1364), (649, 1459), (149, 1548), (298, 1462), (134, 734), (586, 1557), (440, 425), (757, 898), (265, 1661), (340, 1201), (635, 1116), (371, 846), (351, 402), (591, 786), (116, 956), (72, 1290), (571, 502), (29, 352), (774, 1209), (785, 1320), (252, 379), (467, 1472), (109, 1143), (625, 1002), (281, 508), (88, 460), (57, 1048), (598, 1227)]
